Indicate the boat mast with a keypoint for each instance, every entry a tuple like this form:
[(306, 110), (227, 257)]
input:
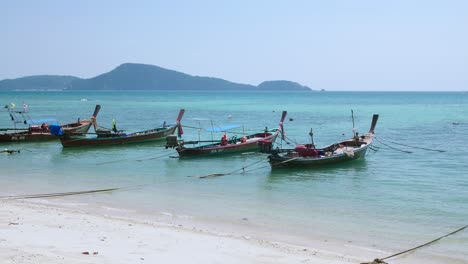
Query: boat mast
[(352, 117), (311, 134), (212, 130), (199, 130)]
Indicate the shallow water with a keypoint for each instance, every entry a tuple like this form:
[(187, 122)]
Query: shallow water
[(390, 201)]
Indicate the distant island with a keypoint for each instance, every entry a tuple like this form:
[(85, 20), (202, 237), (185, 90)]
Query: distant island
[(133, 76)]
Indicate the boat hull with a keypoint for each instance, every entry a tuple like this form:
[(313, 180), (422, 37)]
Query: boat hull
[(278, 160), (218, 149), (26, 136), (121, 139)]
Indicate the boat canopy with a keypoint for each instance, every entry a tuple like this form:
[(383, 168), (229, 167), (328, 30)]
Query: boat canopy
[(40, 121), (222, 128)]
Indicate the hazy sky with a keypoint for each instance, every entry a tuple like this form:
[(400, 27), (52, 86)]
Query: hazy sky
[(332, 45)]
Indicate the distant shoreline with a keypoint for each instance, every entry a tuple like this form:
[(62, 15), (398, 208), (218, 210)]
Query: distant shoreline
[(149, 77), (227, 91)]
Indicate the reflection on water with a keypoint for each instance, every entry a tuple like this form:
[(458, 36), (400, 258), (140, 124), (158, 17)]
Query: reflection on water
[(111, 152)]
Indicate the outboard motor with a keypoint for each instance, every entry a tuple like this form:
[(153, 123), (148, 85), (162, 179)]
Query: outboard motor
[(171, 141), (265, 146)]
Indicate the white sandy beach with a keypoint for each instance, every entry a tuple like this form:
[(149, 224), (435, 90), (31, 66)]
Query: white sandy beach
[(39, 233)]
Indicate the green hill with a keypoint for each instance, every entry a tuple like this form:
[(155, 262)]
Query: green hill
[(281, 86), (39, 82), (132, 76)]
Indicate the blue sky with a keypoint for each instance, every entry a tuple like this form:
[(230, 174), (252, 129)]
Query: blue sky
[(332, 44)]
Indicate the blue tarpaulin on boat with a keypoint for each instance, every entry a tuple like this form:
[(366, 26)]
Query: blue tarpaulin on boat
[(222, 128), (40, 121), (56, 130)]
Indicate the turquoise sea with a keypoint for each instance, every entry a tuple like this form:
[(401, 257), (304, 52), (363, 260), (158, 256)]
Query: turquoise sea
[(389, 202)]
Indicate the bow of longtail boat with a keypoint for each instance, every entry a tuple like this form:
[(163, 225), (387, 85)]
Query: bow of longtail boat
[(81, 127)]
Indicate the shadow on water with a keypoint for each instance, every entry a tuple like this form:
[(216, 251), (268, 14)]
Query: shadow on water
[(110, 154), (346, 169), (221, 155), (113, 148)]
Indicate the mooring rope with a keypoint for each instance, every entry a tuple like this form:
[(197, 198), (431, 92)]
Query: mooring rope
[(289, 140), (11, 151), (232, 172), (185, 126), (396, 143), (273, 164), (157, 157), (405, 151), (412, 249), (135, 158), (46, 195), (58, 194), (247, 171)]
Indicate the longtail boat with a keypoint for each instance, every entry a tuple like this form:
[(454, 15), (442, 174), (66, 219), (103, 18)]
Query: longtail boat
[(225, 146), (40, 129), (107, 137), (306, 155)]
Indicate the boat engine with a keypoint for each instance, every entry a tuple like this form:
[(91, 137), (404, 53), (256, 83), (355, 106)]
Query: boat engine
[(172, 141), (265, 146)]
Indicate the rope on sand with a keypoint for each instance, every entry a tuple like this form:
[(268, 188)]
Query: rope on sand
[(381, 260), (46, 195)]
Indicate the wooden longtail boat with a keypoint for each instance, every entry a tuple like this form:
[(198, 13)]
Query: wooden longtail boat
[(234, 145), (106, 137), (40, 129), (307, 155)]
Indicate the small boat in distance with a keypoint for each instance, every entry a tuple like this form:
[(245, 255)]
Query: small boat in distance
[(307, 155), (226, 146), (108, 137), (40, 129)]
